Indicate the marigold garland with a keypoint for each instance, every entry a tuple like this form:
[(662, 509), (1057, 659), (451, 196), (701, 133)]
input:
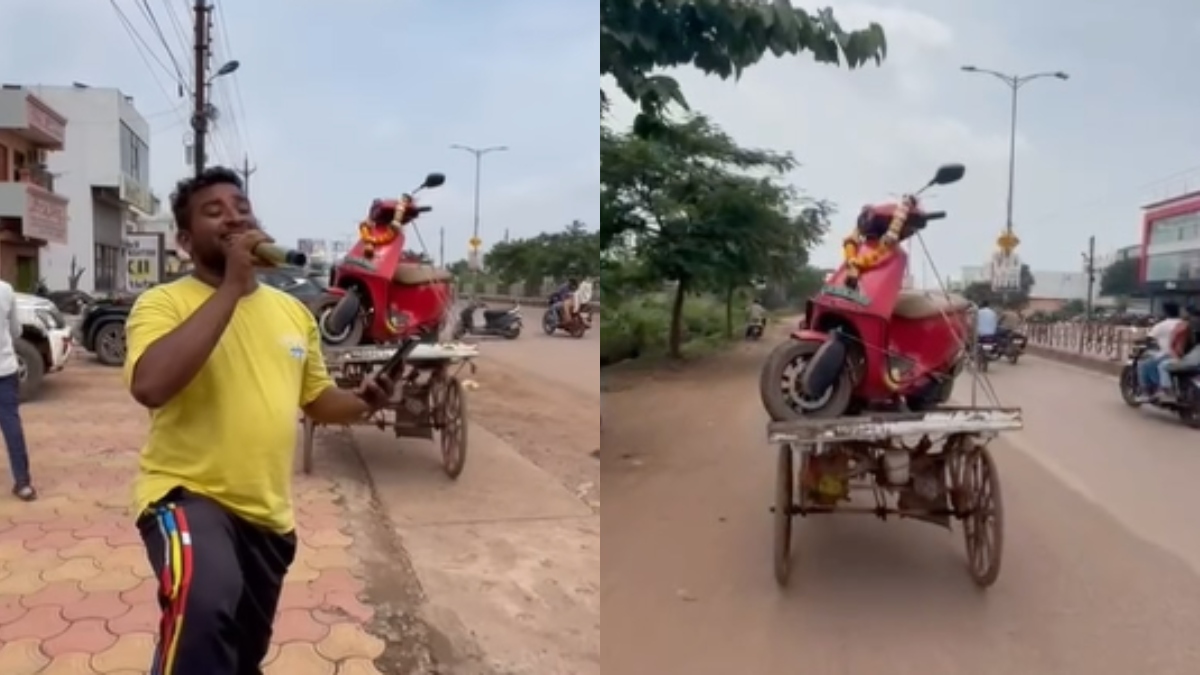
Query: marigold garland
[(858, 260), (375, 235)]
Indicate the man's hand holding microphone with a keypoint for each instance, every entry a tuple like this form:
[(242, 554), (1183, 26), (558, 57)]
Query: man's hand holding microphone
[(248, 250)]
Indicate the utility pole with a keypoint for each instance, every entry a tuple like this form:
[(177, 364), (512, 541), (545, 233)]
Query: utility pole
[(246, 171), (203, 50), (442, 247), (1089, 268)]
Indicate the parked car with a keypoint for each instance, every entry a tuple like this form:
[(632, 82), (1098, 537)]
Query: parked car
[(68, 302), (102, 329), (44, 346)]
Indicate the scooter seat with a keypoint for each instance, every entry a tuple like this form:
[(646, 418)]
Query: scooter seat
[(922, 305), (415, 274), (490, 314)]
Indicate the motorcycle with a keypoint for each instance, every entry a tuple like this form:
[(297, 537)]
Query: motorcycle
[(867, 342), (579, 322), (754, 329), (1007, 345), (377, 293), (1184, 379), (505, 323)]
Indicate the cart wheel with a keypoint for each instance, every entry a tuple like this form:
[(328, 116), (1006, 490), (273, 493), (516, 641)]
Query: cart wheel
[(453, 435), (785, 477), (983, 526), (306, 456)]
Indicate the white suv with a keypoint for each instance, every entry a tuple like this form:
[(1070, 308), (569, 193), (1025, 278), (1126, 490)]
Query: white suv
[(45, 343)]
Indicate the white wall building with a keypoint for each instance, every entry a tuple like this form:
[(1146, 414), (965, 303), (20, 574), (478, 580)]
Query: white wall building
[(105, 172)]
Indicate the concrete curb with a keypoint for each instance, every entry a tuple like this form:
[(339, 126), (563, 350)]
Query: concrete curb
[(1084, 361)]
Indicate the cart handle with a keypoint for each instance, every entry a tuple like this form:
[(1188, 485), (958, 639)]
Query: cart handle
[(394, 364)]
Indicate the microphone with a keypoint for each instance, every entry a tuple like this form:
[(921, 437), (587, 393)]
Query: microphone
[(277, 255)]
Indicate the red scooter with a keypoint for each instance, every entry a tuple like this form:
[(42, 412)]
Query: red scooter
[(378, 295), (870, 344)]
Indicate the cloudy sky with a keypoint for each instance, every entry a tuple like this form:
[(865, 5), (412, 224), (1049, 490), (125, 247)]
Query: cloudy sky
[(1123, 130), (340, 102)]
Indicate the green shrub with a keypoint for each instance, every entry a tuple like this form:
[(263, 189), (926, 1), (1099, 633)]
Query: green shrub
[(639, 326)]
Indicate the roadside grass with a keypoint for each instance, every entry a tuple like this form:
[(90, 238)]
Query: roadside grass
[(637, 329)]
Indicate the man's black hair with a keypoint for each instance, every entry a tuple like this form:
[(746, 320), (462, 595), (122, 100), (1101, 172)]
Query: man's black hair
[(185, 189), (1171, 309), (984, 304)]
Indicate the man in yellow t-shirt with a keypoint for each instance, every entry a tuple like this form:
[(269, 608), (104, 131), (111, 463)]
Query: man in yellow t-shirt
[(223, 364)]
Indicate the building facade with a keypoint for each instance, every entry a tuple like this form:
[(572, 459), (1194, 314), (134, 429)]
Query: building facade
[(1170, 255), (34, 213), (105, 172)]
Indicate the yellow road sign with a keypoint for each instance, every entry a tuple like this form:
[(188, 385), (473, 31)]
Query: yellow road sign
[(475, 242)]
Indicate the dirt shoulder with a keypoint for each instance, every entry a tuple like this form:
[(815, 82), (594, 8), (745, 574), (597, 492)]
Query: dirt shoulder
[(497, 572), (551, 425)]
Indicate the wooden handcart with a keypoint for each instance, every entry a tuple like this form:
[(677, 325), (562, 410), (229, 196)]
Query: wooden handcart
[(932, 466), (429, 400)]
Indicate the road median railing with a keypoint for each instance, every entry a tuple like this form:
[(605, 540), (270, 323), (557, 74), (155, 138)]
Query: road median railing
[(1099, 347)]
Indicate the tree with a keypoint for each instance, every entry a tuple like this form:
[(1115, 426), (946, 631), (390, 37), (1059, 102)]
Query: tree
[(1122, 278), (718, 37), (75, 274), (459, 268), (700, 211), (572, 252), (1073, 308), (979, 292)]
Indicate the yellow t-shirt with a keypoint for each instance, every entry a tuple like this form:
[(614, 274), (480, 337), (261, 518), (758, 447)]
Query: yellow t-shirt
[(230, 435)]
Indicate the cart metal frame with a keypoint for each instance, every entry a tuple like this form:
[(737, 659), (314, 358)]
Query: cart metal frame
[(950, 447)]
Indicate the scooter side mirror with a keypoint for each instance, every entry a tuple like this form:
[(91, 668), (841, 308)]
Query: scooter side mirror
[(948, 173), (434, 180)]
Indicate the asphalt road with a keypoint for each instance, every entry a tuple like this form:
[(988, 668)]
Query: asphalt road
[(573, 362), (1101, 573)]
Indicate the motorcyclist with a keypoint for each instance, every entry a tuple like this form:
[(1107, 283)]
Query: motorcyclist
[(756, 315), (986, 322), (563, 300), (1161, 333), (1185, 340)]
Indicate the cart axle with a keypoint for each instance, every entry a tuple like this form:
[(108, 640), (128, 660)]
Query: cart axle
[(879, 511)]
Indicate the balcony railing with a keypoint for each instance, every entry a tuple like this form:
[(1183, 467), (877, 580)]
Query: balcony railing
[(36, 176)]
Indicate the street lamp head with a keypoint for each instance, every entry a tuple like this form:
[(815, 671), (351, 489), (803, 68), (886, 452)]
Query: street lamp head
[(969, 69), (227, 68), (1062, 76)]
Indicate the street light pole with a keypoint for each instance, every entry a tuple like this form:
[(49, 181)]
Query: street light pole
[(478, 154), (1014, 84)]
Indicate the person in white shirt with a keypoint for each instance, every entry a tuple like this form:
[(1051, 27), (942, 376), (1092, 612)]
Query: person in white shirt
[(1162, 333), (986, 321), (10, 381)]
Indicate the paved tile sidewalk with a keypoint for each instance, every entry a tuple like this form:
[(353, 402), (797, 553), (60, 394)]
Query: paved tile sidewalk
[(76, 594)]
